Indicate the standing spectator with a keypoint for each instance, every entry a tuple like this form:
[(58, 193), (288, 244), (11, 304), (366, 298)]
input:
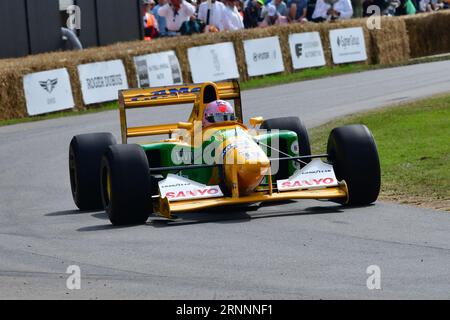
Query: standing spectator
[(297, 10), (271, 17), (310, 9), (252, 13), (332, 10), (231, 18), (428, 6), (176, 13), (357, 6), (162, 27), (149, 21), (216, 9), (382, 4), (240, 6), (406, 7), (281, 7)]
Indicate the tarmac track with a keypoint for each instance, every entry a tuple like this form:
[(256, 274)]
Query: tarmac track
[(295, 250)]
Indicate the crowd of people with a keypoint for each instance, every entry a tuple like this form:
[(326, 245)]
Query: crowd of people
[(163, 18)]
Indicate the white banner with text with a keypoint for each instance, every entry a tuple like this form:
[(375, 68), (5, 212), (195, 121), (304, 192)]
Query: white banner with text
[(306, 50), (101, 81), (48, 91), (348, 45), (263, 56), (214, 62), (158, 69)]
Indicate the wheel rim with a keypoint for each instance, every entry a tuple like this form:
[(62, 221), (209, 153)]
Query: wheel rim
[(106, 186), (73, 172)]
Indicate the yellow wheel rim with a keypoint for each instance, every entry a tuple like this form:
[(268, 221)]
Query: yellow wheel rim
[(108, 185)]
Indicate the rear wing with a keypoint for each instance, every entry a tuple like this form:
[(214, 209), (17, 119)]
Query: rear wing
[(197, 94)]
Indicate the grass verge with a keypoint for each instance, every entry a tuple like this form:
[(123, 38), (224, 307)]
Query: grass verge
[(414, 148)]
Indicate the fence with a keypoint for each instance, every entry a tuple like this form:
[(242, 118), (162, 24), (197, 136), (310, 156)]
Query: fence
[(391, 44)]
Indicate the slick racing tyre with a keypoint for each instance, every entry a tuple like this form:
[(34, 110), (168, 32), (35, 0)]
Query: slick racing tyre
[(126, 184), (292, 124), (353, 153), (85, 154)]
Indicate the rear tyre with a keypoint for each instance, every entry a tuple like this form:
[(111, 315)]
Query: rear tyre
[(292, 124), (85, 154), (126, 184), (353, 153)]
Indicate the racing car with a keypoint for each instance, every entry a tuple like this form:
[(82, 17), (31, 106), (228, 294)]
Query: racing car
[(214, 159)]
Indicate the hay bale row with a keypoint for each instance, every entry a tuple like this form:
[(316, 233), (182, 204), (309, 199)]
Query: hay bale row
[(383, 46), (390, 44), (428, 33)]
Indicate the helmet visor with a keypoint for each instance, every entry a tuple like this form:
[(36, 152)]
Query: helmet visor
[(220, 117)]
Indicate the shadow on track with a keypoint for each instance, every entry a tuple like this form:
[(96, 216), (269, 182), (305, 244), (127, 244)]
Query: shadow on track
[(229, 214), (67, 213), (239, 216)]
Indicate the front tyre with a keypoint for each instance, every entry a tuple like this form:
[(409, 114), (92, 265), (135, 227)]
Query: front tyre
[(291, 124), (353, 153), (126, 185), (85, 154)]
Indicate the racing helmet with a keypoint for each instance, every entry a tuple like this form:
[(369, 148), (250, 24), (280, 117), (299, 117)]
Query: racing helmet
[(218, 111)]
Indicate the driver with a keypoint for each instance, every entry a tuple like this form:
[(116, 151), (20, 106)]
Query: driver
[(218, 111)]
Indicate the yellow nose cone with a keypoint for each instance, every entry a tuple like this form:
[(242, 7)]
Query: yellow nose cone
[(251, 165)]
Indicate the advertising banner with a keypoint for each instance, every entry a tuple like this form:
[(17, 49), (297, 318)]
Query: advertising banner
[(306, 50), (101, 81), (263, 56), (214, 62), (348, 45), (48, 91), (158, 69)]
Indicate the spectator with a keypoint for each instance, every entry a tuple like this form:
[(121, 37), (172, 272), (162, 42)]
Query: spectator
[(357, 6), (416, 4), (281, 7), (240, 6), (310, 9), (271, 17), (428, 5), (406, 7), (232, 19), (297, 10), (216, 9), (162, 28), (176, 13), (382, 4), (332, 10), (149, 21), (252, 13)]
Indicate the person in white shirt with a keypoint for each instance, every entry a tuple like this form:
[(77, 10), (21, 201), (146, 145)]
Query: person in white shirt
[(271, 17), (176, 13), (332, 10), (215, 13), (231, 19)]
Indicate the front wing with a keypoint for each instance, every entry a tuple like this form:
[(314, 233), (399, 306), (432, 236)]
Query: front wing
[(315, 181)]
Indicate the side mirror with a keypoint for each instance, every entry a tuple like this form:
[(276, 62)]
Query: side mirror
[(256, 121), (185, 125)]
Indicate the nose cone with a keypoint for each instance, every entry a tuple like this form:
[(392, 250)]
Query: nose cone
[(250, 176), (251, 164)]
